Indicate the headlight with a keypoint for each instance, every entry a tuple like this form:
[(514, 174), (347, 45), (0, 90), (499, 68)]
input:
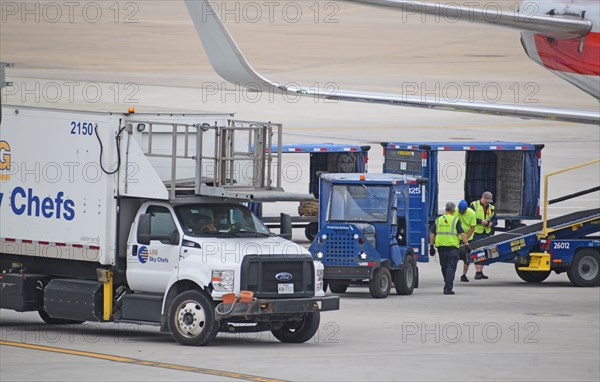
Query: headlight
[(319, 255), (222, 281), (319, 283), (363, 256)]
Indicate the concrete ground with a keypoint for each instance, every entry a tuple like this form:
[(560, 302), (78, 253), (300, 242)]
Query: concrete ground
[(500, 329), (146, 54)]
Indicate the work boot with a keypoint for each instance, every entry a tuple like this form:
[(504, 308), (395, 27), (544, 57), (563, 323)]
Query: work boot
[(446, 291), (480, 276), (464, 279)]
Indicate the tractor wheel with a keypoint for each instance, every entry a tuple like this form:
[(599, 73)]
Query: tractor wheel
[(311, 231), (338, 286), (381, 283), (405, 279)]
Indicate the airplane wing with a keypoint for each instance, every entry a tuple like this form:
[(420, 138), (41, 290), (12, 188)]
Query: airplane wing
[(561, 24), (229, 62)]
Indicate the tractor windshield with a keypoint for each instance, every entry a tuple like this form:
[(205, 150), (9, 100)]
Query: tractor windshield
[(359, 203)]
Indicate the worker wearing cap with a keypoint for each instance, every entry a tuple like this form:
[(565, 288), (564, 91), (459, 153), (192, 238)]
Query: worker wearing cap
[(485, 213), (468, 221), (445, 234)]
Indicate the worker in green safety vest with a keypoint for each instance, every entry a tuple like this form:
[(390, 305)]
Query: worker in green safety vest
[(468, 221), (485, 214), (444, 235)]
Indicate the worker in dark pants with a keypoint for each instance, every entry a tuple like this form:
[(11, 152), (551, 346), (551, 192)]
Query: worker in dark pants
[(444, 233), (486, 219)]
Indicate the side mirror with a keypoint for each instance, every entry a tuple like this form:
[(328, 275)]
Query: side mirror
[(143, 229), (285, 230)]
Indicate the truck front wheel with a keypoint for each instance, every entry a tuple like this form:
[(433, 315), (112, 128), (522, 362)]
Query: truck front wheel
[(405, 279), (381, 283), (534, 277), (297, 332), (584, 270), (192, 319)]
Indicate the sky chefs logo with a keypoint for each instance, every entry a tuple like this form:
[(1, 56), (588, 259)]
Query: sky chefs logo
[(26, 202), (4, 161), (143, 254), (146, 255)]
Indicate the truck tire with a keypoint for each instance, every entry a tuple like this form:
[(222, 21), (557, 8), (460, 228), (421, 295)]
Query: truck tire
[(311, 231), (56, 321), (192, 319), (338, 286), (297, 332), (534, 277), (381, 283), (405, 279), (585, 270)]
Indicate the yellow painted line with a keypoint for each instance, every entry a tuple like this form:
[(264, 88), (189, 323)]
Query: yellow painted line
[(139, 362)]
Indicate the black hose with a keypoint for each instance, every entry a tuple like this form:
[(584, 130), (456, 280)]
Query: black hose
[(102, 150)]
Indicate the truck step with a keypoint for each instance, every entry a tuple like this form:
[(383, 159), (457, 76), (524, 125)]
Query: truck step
[(538, 262)]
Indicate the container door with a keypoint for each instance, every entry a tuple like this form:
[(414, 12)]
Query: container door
[(150, 266), (531, 184), (417, 163), (480, 174)]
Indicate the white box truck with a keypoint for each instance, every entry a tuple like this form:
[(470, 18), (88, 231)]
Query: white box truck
[(105, 217)]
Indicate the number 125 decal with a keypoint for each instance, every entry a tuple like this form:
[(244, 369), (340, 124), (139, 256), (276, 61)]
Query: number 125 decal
[(82, 128)]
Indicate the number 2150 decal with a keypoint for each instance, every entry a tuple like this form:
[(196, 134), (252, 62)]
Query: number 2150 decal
[(82, 128)]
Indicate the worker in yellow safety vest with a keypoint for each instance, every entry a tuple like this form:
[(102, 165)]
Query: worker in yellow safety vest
[(468, 221), (444, 235), (485, 214)]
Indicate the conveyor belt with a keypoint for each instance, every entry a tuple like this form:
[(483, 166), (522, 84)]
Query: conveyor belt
[(552, 223)]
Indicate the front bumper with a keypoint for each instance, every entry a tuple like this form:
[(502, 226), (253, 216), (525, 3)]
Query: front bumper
[(263, 309), (348, 273)]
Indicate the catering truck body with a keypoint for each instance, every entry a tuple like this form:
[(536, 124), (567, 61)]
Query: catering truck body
[(139, 218)]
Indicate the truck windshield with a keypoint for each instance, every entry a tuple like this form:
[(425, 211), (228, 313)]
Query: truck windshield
[(359, 203), (214, 220)]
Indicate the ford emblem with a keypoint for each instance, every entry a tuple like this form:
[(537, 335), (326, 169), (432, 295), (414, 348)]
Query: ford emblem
[(284, 276)]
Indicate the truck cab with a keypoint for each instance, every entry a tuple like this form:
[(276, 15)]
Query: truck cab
[(221, 248), (372, 229)]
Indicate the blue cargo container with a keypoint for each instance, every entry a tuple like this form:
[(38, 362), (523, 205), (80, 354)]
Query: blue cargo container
[(510, 170)]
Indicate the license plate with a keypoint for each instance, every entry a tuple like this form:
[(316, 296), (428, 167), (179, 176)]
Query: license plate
[(285, 288)]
